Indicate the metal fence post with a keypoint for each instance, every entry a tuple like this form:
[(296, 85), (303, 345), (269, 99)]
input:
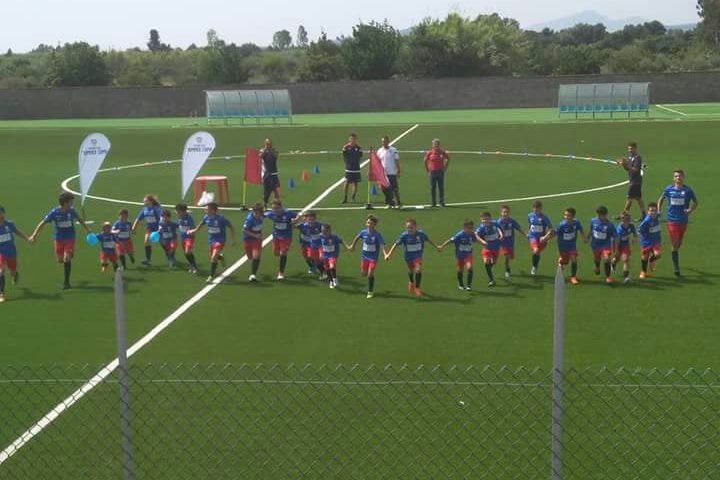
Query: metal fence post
[(557, 393), (127, 458)]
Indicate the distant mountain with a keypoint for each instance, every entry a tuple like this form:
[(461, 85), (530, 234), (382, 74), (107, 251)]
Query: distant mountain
[(682, 26), (588, 16)]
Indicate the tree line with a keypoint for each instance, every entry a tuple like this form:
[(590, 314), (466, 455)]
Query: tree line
[(455, 46)]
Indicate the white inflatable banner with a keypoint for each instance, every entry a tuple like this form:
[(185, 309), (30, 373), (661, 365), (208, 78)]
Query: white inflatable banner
[(197, 149), (91, 156)]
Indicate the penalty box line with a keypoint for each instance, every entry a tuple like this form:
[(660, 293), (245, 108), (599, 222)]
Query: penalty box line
[(108, 369)]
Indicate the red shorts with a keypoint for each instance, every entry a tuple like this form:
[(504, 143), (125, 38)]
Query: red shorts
[(170, 246), (537, 244), (600, 253), (188, 244), (108, 257), (329, 263), (366, 265), (652, 248), (124, 246), (252, 247), (310, 252), (567, 257), (413, 264), (624, 250), (64, 246), (508, 252), (676, 231), (9, 262), (216, 247), (463, 262), (491, 255), (281, 245)]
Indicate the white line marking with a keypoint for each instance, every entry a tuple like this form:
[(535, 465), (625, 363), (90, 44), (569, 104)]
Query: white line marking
[(671, 110), (51, 416)]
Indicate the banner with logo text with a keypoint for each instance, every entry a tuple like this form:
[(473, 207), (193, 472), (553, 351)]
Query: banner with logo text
[(91, 156), (197, 149)]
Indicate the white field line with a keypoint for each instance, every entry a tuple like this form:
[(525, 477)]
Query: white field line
[(65, 183), (108, 369), (671, 110)]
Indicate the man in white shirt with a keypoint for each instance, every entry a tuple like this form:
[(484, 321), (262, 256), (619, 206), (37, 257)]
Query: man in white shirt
[(390, 160)]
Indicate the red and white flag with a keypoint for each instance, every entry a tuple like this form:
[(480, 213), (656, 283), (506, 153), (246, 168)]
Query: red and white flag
[(376, 171), (253, 166)]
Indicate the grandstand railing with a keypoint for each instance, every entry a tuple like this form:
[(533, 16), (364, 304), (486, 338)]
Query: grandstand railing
[(227, 105), (604, 98)]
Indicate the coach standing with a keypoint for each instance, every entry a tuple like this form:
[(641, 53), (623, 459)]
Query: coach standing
[(352, 155), (633, 164), (436, 163), (390, 159), (270, 176)]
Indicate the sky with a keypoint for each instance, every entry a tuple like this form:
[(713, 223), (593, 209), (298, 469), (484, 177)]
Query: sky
[(122, 24)]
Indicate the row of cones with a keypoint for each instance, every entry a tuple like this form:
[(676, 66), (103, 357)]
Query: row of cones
[(305, 177)]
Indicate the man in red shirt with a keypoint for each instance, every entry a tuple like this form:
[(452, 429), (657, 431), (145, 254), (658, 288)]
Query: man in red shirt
[(436, 162)]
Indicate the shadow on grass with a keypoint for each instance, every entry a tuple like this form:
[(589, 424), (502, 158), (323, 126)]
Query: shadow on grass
[(28, 294)]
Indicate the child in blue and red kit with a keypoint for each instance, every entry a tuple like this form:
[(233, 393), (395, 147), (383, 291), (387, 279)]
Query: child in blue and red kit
[(252, 238), (602, 234), (283, 221), (150, 213), (682, 201), (625, 234), (217, 226), (168, 232), (650, 240), (8, 252), (122, 229), (310, 247), (372, 245), (490, 236), (331, 244), (463, 241), (567, 233), (63, 219), (508, 225), (538, 227), (413, 242), (186, 223), (107, 241)]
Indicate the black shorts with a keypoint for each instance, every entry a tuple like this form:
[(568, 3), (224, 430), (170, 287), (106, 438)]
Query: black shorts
[(635, 191), (352, 177), (271, 182)]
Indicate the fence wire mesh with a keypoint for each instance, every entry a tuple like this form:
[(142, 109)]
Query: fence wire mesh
[(364, 422)]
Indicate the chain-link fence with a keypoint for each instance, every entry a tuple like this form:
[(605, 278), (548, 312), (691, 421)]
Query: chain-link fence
[(355, 422)]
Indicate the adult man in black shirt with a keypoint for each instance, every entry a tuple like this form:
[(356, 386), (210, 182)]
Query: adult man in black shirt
[(271, 180), (352, 155), (634, 165)]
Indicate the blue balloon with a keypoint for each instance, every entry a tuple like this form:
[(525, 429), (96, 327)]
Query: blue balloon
[(91, 239), (154, 237)]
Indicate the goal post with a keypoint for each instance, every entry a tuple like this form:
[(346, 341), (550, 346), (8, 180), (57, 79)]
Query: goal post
[(258, 105)]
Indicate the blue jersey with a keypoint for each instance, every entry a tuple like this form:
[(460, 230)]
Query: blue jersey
[(330, 246), (106, 241), (7, 239), (567, 233), (185, 223), (282, 223), (217, 228), (649, 230), (252, 224), (508, 228), (371, 244), (538, 225), (602, 233), (624, 233), (310, 234), (413, 244), (63, 222), (678, 201), (463, 242), (168, 231), (491, 234), (122, 230), (151, 215)]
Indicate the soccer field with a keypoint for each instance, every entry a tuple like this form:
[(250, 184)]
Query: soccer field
[(660, 322)]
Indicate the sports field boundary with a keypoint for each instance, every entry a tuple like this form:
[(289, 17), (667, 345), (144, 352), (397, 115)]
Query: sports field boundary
[(108, 369)]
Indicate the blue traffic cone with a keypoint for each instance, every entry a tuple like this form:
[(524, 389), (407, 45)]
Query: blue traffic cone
[(373, 190), (291, 183), (316, 169)]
